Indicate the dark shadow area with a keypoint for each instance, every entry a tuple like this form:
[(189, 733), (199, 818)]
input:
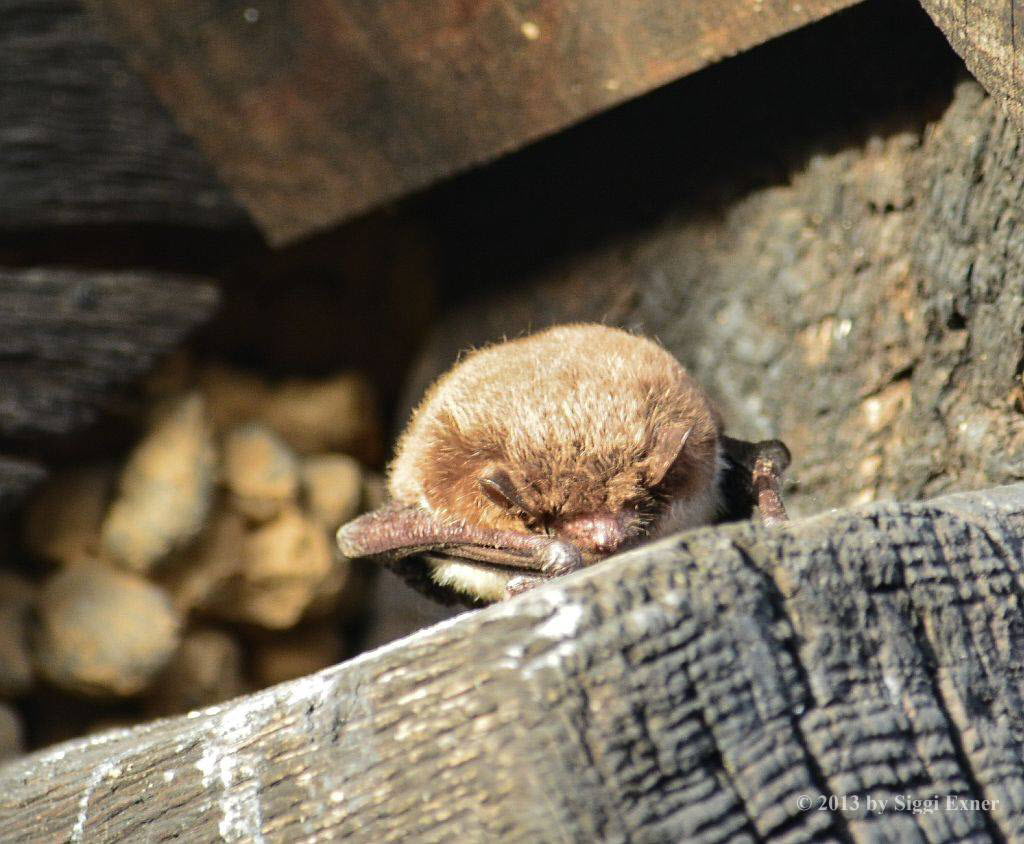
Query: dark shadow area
[(878, 67)]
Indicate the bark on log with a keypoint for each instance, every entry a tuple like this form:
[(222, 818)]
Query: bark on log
[(68, 337), (695, 689), (989, 35), (82, 141), (316, 110)]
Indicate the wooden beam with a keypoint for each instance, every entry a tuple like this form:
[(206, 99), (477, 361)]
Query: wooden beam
[(82, 140), (17, 478), (68, 337), (721, 683), (316, 110), (989, 36)]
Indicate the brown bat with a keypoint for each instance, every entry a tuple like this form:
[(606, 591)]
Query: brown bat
[(535, 457)]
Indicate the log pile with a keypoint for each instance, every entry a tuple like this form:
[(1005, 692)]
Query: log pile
[(69, 338), (88, 154), (157, 585), (83, 141)]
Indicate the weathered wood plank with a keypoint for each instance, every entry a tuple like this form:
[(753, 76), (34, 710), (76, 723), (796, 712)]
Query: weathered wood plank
[(82, 140), (989, 35), (695, 689), (67, 337), (316, 110)]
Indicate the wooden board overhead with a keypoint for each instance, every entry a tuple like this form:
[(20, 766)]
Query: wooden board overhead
[(83, 141), (989, 36), (720, 685), (316, 110)]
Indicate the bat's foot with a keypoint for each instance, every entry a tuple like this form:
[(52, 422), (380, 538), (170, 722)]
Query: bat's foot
[(557, 558), (767, 477), (560, 558), (522, 583)]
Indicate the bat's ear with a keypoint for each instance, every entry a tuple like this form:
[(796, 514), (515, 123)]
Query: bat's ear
[(666, 451)]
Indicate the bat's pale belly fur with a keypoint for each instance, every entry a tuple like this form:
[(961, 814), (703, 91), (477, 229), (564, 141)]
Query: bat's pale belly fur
[(469, 578)]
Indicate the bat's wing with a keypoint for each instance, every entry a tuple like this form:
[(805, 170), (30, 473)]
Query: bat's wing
[(398, 531), (406, 538), (416, 572)]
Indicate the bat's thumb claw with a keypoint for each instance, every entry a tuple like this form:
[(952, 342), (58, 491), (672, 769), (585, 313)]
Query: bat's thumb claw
[(348, 539), (561, 558)]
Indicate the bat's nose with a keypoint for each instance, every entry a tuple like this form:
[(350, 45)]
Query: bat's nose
[(597, 533)]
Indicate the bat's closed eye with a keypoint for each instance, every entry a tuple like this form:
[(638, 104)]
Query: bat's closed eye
[(496, 484)]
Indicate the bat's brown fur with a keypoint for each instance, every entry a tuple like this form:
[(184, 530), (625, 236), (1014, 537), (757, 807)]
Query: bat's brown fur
[(584, 419), (532, 458)]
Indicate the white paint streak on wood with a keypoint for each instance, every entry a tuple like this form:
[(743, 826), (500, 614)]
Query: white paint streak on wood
[(103, 770), (233, 772), (563, 624)]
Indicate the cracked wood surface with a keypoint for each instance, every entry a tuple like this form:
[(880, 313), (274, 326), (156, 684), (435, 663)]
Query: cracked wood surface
[(989, 35), (693, 689), (316, 110)]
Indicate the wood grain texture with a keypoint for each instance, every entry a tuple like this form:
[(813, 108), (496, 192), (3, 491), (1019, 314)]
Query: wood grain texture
[(694, 689), (68, 337), (989, 36), (82, 141), (316, 110)]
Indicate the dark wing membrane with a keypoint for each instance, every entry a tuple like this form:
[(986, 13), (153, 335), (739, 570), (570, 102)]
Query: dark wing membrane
[(397, 531)]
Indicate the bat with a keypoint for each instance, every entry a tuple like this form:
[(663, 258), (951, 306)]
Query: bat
[(535, 457)]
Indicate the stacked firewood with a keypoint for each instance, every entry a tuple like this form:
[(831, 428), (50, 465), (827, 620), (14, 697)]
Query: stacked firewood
[(200, 567)]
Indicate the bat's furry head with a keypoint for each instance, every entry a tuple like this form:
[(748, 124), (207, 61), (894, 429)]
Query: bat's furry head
[(556, 427), (552, 431)]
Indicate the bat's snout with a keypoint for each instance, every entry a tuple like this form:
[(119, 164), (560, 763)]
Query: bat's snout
[(598, 533)]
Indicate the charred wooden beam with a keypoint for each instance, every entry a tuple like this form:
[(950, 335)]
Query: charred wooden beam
[(724, 682), (867, 310), (316, 110), (82, 140), (68, 337)]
